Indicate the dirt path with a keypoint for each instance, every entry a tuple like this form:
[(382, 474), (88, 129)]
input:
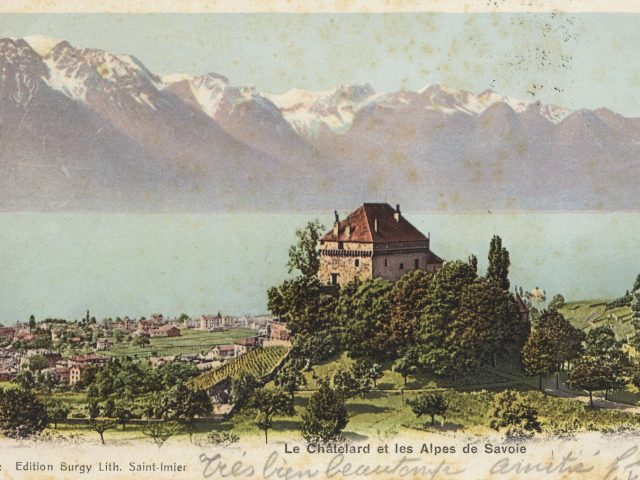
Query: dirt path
[(562, 392)]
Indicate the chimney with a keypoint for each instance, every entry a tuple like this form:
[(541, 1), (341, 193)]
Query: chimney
[(347, 231), (396, 214), (375, 224), (336, 225)]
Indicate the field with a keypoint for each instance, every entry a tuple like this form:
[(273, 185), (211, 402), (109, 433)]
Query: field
[(592, 313), (190, 342), (259, 363)]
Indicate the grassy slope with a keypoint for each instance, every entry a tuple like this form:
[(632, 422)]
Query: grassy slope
[(588, 314), (190, 342)]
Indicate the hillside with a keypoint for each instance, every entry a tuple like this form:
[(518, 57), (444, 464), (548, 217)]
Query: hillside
[(589, 314)]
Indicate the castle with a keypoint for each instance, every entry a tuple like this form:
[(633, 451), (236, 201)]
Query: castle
[(374, 241)]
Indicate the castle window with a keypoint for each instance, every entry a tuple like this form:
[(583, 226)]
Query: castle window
[(340, 245), (386, 262), (417, 262), (402, 266), (357, 262), (334, 278)]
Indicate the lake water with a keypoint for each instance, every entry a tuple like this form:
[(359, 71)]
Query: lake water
[(60, 265)]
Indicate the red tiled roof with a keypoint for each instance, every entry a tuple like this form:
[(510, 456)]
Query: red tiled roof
[(362, 224), (166, 328), (224, 348)]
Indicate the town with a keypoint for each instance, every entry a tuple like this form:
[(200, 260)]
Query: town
[(59, 350)]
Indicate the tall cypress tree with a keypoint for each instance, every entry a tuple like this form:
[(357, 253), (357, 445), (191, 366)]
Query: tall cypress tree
[(499, 263)]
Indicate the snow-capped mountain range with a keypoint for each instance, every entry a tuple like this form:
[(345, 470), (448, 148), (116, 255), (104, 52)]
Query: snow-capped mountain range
[(85, 128)]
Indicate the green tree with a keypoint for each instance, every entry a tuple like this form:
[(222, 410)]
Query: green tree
[(406, 365), (556, 302), (408, 303), (430, 404), (160, 432), (512, 411), (22, 414), (601, 343), (123, 413), (32, 322), (118, 336), (290, 379), (635, 318), (57, 411), (242, 388), (109, 408), (25, 379), (364, 311), (185, 405), (269, 403), (362, 373), (487, 323), (37, 363), (538, 355), (473, 263), (304, 304), (325, 416), (591, 374), (141, 340), (375, 373), (554, 341), (318, 347), (437, 353), (346, 385), (93, 406), (499, 263), (101, 425), (304, 255)]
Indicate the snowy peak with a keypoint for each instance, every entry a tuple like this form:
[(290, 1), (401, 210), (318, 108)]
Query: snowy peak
[(74, 71), (451, 100), (42, 45), (308, 111), (217, 96)]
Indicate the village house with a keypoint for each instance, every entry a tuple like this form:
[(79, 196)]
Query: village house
[(278, 330), (104, 344), (50, 356), (165, 331), (374, 241), (62, 373), (223, 351), (146, 325), (75, 373), (210, 322), (89, 359), (240, 347), (126, 325), (7, 334), (24, 335)]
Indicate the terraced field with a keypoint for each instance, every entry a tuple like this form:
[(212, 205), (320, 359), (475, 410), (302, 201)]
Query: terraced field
[(592, 313), (259, 363)]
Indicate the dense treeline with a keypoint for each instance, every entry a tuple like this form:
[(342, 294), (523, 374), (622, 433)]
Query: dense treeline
[(446, 323)]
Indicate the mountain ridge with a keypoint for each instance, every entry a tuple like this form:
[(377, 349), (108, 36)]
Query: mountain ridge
[(136, 140)]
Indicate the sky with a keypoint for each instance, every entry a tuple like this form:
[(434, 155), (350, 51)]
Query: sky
[(575, 60)]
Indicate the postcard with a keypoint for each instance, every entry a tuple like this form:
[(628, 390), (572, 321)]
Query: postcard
[(319, 240)]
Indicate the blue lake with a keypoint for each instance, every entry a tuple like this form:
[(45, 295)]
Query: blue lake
[(61, 264)]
